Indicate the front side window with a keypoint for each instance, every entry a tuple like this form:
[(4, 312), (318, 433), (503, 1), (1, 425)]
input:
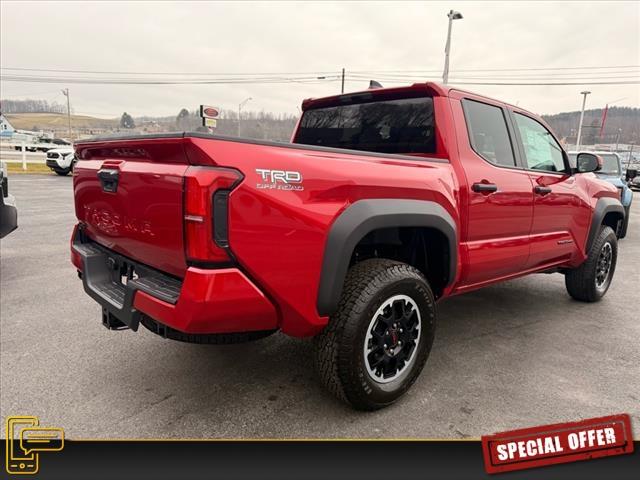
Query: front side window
[(488, 133), (389, 126), (541, 150)]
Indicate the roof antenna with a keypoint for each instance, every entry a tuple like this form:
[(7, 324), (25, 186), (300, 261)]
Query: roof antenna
[(373, 84)]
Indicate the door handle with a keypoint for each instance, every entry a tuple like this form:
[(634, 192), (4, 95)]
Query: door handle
[(484, 187), (541, 190)]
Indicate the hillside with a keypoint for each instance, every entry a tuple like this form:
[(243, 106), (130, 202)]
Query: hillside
[(626, 119), (58, 122)]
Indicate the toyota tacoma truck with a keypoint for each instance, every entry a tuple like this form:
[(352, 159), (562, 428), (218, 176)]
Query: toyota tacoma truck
[(384, 202)]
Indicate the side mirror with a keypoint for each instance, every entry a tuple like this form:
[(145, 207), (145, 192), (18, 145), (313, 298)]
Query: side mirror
[(631, 174), (588, 162)]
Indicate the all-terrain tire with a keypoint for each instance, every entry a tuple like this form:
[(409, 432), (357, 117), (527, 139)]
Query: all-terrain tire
[(340, 350), (585, 282)]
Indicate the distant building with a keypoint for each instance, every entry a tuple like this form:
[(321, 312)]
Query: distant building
[(6, 129)]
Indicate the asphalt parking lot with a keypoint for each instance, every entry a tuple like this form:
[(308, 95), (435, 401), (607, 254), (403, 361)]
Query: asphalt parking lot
[(513, 355)]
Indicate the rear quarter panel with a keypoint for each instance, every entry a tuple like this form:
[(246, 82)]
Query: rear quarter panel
[(278, 236)]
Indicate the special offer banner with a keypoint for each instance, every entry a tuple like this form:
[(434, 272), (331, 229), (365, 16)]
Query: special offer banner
[(558, 443)]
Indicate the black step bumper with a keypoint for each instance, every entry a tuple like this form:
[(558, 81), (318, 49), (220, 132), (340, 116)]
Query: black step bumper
[(112, 280)]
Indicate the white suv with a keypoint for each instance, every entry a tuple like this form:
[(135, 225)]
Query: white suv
[(60, 160)]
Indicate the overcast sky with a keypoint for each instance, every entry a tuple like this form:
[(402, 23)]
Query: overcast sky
[(268, 37)]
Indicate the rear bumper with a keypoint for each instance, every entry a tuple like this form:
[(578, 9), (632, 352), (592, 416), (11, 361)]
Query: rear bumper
[(205, 301)]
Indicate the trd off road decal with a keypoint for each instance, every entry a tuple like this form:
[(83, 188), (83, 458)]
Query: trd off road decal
[(279, 180)]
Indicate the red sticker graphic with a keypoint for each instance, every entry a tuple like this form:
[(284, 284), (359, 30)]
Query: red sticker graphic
[(559, 443)]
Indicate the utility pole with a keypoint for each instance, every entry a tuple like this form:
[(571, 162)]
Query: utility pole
[(342, 91), (240, 105), (65, 92), (453, 15), (584, 101), (618, 138)]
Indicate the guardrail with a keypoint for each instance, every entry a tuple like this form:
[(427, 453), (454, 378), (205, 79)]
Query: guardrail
[(10, 154)]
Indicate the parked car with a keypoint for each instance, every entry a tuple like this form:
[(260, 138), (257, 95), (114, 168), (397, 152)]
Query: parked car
[(633, 179), (61, 160), (613, 173), (385, 202), (39, 144), (8, 210)]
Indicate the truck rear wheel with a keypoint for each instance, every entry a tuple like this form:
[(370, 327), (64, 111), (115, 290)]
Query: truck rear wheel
[(378, 341), (590, 281)]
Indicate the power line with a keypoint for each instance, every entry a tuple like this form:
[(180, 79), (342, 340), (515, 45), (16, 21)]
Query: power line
[(618, 79), (121, 81), (123, 72), (500, 69), (166, 73), (567, 76), (34, 79), (577, 79)]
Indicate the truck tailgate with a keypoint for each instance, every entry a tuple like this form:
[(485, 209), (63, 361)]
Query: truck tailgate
[(129, 196)]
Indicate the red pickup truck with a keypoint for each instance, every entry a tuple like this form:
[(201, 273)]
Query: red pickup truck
[(384, 202)]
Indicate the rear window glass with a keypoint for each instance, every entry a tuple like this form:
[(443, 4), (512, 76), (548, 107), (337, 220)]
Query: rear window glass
[(391, 126), (488, 133)]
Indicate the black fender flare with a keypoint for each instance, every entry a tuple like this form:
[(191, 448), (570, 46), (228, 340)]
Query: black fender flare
[(365, 216), (603, 206)]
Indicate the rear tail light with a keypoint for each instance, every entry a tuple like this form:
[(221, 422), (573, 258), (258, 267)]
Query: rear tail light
[(206, 191)]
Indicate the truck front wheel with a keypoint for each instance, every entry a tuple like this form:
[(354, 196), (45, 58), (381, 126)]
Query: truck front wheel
[(590, 281), (378, 341)]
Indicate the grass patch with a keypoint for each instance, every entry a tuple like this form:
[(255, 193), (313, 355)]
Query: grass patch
[(31, 168)]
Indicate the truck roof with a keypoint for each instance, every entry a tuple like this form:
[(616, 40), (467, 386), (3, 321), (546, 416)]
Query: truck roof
[(432, 88)]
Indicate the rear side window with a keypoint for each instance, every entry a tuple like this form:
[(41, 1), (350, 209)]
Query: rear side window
[(488, 133), (390, 126)]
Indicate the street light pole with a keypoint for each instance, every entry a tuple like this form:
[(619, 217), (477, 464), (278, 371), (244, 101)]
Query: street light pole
[(453, 15), (65, 92), (584, 102), (240, 105)]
